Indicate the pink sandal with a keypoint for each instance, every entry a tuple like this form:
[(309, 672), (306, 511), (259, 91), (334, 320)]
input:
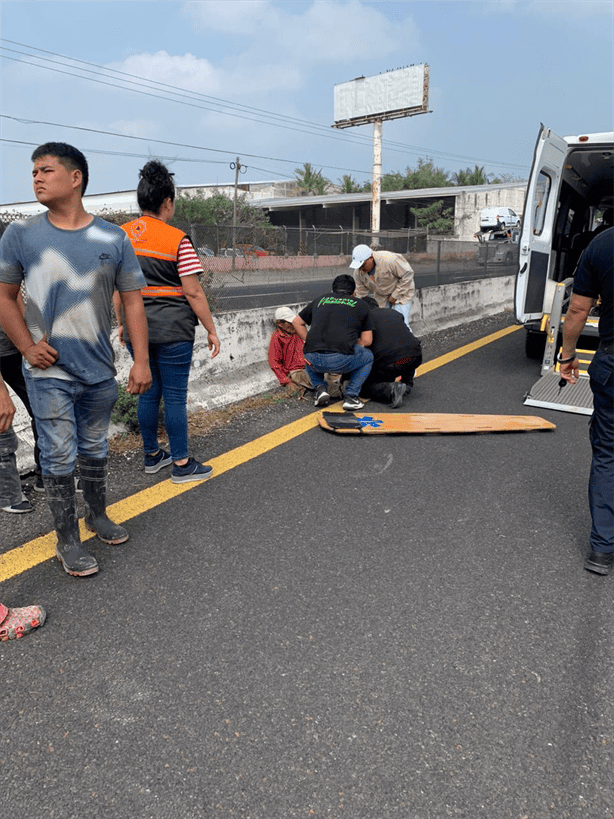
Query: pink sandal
[(14, 623)]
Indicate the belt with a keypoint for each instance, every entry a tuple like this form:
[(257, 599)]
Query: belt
[(161, 291)]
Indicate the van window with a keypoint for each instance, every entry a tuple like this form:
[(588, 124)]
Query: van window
[(540, 200)]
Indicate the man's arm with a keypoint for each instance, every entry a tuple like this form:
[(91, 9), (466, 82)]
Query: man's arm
[(139, 380), (366, 338), (575, 319), (40, 355), (361, 289), (405, 289), (7, 408), (300, 327)]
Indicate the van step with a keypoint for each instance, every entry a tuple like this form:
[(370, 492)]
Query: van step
[(570, 398)]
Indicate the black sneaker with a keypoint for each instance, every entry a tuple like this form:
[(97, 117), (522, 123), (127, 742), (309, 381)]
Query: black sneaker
[(398, 391), (191, 471), (19, 508), (352, 402), (154, 463), (39, 486), (322, 397)]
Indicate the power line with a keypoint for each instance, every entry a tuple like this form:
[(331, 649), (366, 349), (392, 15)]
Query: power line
[(165, 142), (189, 98)]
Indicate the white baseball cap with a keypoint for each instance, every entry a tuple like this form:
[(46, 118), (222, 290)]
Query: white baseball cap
[(284, 314), (360, 254)]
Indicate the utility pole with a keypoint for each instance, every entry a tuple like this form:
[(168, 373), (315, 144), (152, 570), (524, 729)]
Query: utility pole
[(237, 169), (377, 182)]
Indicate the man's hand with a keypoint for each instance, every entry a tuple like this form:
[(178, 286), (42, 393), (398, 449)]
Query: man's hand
[(41, 355), (139, 380), (7, 409), (213, 343), (570, 372), (392, 299)]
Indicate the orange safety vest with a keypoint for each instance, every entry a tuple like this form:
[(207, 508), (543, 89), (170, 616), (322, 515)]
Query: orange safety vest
[(156, 244)]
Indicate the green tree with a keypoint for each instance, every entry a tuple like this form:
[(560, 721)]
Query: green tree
[(309, 180), (426, 175), (466, 176), (436, 218), (394, 181), (349, 185), (196, 208)]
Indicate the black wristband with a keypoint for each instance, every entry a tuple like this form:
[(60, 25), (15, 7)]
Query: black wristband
[(566, 360)]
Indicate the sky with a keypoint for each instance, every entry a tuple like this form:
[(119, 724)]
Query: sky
[(202, 83)]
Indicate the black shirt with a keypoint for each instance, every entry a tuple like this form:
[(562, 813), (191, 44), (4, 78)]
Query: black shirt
[(595, 277), (335, 323), (392, 339)]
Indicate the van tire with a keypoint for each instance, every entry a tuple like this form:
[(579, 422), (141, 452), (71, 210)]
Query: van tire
[(535, 344)]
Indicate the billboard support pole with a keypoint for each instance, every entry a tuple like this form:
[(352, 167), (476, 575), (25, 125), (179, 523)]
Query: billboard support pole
[(376, 186)]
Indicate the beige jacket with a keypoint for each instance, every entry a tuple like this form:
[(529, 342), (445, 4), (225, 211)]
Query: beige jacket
[(392, 275)]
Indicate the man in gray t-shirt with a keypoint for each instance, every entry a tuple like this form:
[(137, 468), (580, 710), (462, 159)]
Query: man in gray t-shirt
[(68, 264)]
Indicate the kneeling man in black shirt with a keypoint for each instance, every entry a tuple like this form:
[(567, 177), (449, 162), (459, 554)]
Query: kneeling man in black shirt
[(340, 330), (396, 352)]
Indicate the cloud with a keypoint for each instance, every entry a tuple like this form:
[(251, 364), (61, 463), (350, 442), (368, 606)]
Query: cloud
[(240, 17), (184, 71), (325, 30)]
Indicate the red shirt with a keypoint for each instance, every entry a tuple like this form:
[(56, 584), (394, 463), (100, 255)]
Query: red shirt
[(285, 355)]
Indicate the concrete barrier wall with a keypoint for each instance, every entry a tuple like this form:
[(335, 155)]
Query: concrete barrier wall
[(241, 369)]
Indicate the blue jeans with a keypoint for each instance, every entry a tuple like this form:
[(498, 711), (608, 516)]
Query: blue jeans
[(403, 309), (170, 369), (601, 481), (358, 364), (71, 418)]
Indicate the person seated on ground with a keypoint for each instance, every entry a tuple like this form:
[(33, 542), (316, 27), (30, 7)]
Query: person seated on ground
[(340, 330), (12, 498), (14, 623), (286, 356), (396, 352)]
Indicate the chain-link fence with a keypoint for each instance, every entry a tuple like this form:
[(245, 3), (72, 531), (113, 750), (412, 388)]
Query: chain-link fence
[(247, 267)]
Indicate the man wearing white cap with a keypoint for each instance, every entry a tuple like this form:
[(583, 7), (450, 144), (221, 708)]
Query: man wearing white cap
[(386, 276)]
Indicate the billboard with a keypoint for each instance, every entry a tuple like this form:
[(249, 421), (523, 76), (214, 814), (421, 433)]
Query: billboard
[(403, 92)]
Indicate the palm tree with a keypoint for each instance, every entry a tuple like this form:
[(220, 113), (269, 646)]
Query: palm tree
[(309, 180), (348, 184)]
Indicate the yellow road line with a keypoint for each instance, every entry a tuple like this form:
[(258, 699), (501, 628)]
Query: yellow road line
[(36, 551), (468, 348)]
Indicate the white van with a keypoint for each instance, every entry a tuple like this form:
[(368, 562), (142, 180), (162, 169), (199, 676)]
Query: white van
[(571, 184), (498, 218)]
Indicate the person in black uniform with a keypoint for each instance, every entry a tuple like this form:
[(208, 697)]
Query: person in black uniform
[(337, 340), (396, 352), (594, 278)]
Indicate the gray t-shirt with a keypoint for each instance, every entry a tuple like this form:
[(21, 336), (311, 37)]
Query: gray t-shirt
[(69, 277)]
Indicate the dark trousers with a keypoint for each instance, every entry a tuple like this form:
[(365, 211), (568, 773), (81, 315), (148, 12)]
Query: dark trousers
[(601, 481), (376, 384), (12, 374)]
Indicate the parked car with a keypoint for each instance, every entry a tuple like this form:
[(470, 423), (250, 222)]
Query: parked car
[(253, 250), (205, 251), (498, 246), (230, 252)]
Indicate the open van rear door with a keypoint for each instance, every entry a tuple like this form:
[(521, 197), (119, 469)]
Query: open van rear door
[(538, 224)]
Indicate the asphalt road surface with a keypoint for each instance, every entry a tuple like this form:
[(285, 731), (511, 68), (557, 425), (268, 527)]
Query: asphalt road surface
[(332, 626), (237, 295)]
